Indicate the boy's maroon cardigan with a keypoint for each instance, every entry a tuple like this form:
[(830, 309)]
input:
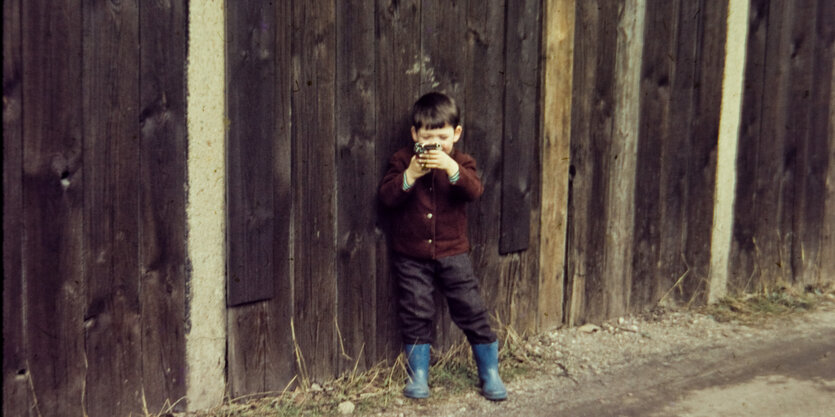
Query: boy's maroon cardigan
[(429, 221)]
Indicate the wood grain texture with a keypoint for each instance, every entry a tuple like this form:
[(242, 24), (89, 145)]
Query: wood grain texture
[(314, 54), (482, 138), (250, 206), (810, 69), (398, 75), (594, 72), (356, 183), (711, 37), (656, 93), (111, 207), (520, 153), (280, 353), (823, 125), (16, 392), (622, 158), (443, 68), (759, 245), (558, 46), (162, 250), (521, 123), (251, 67), (53, 206)]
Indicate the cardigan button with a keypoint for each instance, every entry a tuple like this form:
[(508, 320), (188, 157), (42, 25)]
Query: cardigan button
[(429, 241), (429, 216)]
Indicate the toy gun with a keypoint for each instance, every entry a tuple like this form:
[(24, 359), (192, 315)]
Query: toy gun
[(420, 149)]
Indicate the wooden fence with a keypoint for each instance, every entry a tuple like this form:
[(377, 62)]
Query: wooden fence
[(93, 210), (594, 124)]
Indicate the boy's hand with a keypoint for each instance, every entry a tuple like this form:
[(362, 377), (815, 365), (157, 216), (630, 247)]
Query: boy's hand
[(437, 159), (416, 170)]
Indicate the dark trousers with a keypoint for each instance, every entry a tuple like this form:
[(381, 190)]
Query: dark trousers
[(454, 277)]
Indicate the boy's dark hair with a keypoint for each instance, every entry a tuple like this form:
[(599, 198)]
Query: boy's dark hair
[(434, 111)]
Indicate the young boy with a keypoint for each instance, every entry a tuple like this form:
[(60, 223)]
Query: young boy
[(426, 190)]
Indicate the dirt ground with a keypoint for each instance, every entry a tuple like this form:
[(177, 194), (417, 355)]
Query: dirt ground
[(670, 363)]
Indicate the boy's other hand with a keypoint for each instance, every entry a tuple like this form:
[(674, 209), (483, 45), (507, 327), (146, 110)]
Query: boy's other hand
[(437, 159), (417, 168)]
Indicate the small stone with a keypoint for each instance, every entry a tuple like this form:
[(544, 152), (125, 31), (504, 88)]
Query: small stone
[(346, 407), (589, 328), (315, 387)]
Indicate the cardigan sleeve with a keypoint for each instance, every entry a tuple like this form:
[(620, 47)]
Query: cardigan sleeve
[(391, 191), (468, 185)]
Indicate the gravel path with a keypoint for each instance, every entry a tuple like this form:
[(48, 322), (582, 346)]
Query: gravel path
[(588, 364)]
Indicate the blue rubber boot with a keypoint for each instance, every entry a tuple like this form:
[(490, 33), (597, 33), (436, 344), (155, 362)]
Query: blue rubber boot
[(487, 359), (417, 357)]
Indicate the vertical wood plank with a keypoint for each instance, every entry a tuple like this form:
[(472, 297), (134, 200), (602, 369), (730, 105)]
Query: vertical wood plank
[(622, 155), (742, 267), (482, 138), (443, 60), (558, 45), (656, 92), (760, 236), (591, 130), (53, 213), (728, 147), (357, 182), (709, 61), (313, 52), (674, 155), (280, 353), (808, 151), (250, 36), (250, 205), (111, 208), (521, 127), (520, 150), (162, 173), (16, 401), (823, 125), (398, 75)]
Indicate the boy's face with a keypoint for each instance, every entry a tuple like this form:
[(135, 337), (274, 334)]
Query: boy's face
[(445, 136)]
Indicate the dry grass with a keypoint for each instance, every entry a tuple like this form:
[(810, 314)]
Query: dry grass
[(781, 301), (376, 389)]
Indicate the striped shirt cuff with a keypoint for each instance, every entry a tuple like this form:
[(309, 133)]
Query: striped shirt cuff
[(406, 185), (455, 177)]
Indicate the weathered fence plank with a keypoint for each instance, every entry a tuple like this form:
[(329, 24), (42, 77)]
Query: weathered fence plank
[(520, 150), (594, 57), (313, 52), (758, 246), (482, 138), (250, 206), (521, 123), (807, 150), (622, 158), (280, 353), (557, 74), (16, 400), (162, 173), (398, 73), (443, 68), (111, 207), (356, 183), (824, 126), (657, 73), (251, 68), (708, 62), (53, 216), (680, 118)]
